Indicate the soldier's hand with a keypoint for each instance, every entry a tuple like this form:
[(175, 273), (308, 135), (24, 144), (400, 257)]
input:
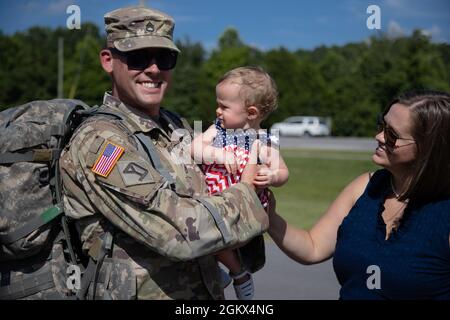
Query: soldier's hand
[(249, 174)]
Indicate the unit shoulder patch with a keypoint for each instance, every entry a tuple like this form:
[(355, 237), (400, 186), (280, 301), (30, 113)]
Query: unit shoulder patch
[(135, 173)]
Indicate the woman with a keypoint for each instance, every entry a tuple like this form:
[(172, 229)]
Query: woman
[(389, 231)]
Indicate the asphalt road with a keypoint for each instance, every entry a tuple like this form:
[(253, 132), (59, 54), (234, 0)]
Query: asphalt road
[(329, 143), (284, 279)]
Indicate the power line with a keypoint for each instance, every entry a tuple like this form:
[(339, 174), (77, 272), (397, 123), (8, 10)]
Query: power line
[(60, 67)]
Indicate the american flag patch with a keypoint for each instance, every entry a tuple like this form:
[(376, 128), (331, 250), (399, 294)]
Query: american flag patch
[(107, 160)]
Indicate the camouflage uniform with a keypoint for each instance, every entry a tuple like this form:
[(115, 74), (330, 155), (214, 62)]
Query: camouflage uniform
[(164, 237)]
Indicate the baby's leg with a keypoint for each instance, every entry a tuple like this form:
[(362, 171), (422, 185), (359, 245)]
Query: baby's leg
[(230, 259), (243, 281)]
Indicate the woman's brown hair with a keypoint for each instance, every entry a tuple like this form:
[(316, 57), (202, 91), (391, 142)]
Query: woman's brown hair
[(430, 111)]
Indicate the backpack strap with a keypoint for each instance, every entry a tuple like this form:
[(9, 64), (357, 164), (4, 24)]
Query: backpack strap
[(17, 281), (37, 155), (176, 120), (47, 216), (97, 111), (172, 118), (28, 284), (218, 219), (64, 131), (154, 157), (97, 253)]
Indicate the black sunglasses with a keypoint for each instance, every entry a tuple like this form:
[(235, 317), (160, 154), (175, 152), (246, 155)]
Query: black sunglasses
[(390, 137), (165, 59)]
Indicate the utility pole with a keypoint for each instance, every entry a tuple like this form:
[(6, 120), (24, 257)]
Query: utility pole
[(60, 67), (142, 3)]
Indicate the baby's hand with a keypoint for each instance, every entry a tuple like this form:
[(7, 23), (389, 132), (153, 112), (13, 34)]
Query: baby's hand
[(265, 177), (230, 161)]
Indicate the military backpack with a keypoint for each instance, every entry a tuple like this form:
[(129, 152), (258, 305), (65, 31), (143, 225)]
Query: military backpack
[(38, 245), (32, 137)]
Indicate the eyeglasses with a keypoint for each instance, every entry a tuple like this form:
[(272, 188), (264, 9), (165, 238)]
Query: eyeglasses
[(165, 59), (390, 137)]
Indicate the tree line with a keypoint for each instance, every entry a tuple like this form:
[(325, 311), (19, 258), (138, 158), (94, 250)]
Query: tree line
[(350, 83)]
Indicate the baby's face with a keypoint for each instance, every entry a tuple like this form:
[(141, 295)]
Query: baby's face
[(231, 110)]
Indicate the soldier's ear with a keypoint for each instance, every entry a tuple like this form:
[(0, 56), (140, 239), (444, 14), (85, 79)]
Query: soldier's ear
[(106, 60)]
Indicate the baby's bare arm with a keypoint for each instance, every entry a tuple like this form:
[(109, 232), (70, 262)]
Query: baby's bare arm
[(275, 172), (202, 151)]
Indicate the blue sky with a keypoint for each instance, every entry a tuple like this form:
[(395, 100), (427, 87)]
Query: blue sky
[(265, 24)]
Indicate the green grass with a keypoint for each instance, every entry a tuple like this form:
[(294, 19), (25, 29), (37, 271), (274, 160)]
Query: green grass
[(316, 178)]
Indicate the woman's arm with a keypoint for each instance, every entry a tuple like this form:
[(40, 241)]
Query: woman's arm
[(317, 244)]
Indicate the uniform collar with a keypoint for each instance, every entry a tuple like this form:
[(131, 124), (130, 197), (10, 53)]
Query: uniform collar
[(140, 121)]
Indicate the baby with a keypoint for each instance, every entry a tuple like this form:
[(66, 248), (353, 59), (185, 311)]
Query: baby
[(245, 97)]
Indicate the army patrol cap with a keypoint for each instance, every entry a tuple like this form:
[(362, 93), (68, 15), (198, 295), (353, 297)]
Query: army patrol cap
[(135, 28)]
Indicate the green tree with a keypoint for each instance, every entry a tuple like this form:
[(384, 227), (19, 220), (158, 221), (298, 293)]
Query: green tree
[(350, 83), (299, 82), (84, 77), (29, 61), (183, 95), (425, 67)]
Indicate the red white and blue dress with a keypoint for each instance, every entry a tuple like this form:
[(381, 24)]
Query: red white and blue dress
[(239, 142)]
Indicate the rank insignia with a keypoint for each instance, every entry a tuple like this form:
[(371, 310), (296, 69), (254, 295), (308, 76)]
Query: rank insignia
[(107, 159)]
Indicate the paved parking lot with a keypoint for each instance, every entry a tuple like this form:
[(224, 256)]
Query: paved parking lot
[(284, 279)]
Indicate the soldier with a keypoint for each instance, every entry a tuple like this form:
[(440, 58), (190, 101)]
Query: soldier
[(144, 218)]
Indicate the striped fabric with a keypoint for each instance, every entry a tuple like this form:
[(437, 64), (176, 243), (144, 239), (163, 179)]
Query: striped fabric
[(107, 160), (218, 179)]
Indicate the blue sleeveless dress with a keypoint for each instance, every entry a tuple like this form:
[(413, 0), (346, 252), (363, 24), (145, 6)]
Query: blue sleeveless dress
[(414, 263)]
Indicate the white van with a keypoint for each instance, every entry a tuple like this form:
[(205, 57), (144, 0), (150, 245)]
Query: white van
[(307, 126)]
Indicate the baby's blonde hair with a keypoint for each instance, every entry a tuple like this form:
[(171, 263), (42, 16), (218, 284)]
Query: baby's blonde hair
[(257, 88)]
